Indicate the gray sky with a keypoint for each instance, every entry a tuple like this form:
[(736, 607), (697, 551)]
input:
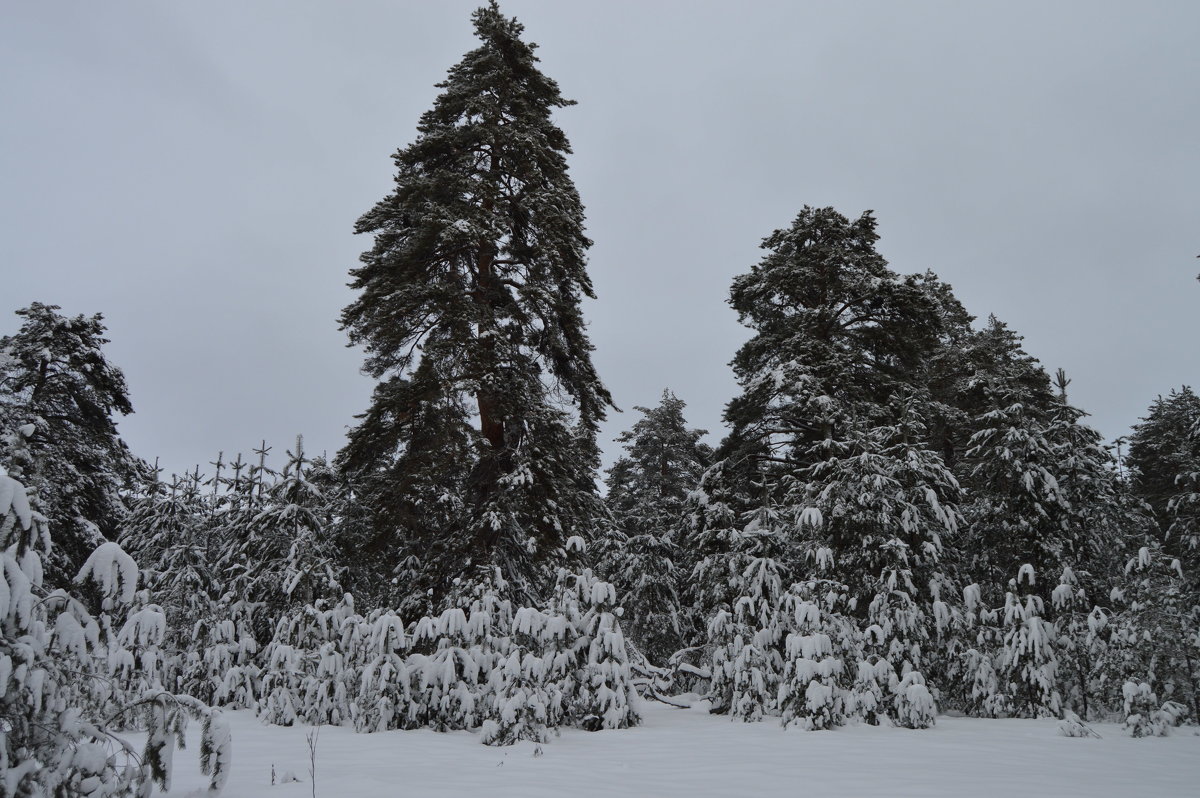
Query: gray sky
[(194, 170)]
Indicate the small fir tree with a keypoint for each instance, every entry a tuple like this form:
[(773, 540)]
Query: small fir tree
[(813, 691), (1029, 659)]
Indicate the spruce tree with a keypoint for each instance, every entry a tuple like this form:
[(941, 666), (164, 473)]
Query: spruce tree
[(647, 489), (59, 400), (284, 555), (1162, 448), (1098, 518), (1157, 628), (170, 534), (478, 448), (1029, 659), (1081, 629), (838, 338), (1017, 513), (1164, 466)]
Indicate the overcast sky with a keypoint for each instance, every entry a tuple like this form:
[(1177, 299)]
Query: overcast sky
[(194, 170)]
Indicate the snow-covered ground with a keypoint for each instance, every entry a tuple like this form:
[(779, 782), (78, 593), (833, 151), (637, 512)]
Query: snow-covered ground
[(691, 753)]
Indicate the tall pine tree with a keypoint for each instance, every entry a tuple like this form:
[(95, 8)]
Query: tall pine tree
[(478, 448)]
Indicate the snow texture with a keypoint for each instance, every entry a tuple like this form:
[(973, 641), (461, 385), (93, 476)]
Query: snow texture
[(691, 753)]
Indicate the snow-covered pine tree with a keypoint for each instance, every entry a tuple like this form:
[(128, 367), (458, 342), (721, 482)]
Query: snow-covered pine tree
[(174, 536), (1143, 718), (598, 692), (886, 502), (1184, 531), (981, 691), (1183, 534), (451, 675), (895, 641), (136, 661), (301, 678), (384, 698), (870, 694), (522, 703), (1099, 517), (1017, 514), (469, 311), (647, 488), (725, 643), (517, 685), (741, 577), (1080, 639), (813, 692), (328, 690), (758, 665), (837, 338), (1156, 634), (1162, 448), (560, 641), (229, 672), (59, 400), (965, 373), (285, 551), (913, 706), (221, 633), (823, 297), (57, 738), (947, 622), (1029, 658), (713, 529)]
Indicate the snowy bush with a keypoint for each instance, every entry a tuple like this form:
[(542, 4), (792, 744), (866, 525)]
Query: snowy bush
[(914, 707), (1072, 726), (521, 705), (1143, 718), (869, 695), (1175, 712)]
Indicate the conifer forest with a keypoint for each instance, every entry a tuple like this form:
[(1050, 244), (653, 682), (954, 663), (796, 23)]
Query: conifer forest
[(904, 534)]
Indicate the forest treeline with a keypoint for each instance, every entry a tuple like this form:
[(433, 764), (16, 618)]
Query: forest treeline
[(906, 513)]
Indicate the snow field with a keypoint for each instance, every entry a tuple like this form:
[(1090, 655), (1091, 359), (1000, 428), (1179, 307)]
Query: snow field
[(691, 753)]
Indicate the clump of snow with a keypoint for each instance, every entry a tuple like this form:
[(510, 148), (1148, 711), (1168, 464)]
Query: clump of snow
[(113, 571)]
